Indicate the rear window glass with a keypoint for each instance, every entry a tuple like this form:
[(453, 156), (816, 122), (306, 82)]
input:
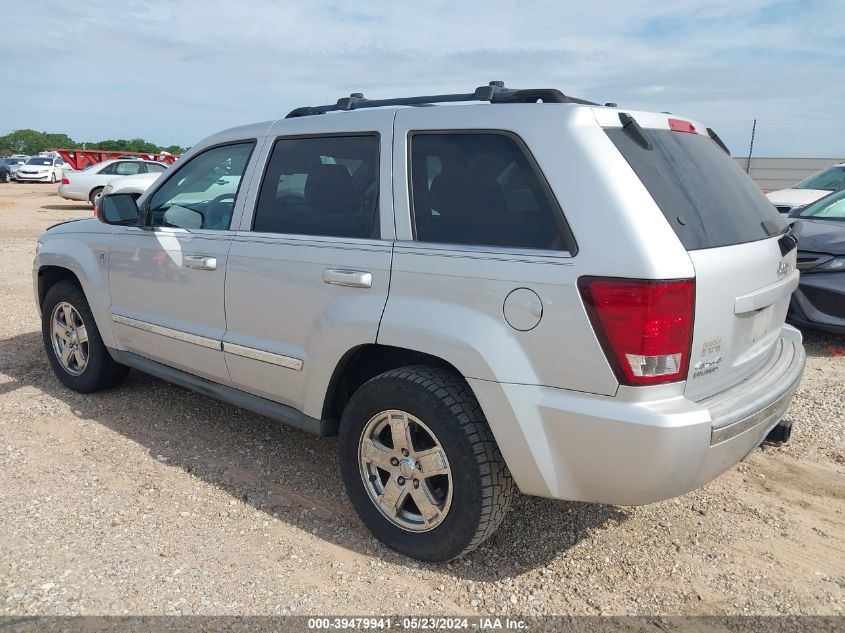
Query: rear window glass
[(324, 185), (482, 188), (706, 198)]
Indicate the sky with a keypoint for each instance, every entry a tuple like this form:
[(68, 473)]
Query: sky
[(176, 71)]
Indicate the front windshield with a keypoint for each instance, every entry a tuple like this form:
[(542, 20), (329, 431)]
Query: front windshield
[(831, 179), (14, 161), (830, 207), (40, 161)]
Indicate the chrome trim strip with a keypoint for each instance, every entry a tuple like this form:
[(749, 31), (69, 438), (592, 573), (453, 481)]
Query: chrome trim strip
[(177, 335), (265, 357), (774, 411)]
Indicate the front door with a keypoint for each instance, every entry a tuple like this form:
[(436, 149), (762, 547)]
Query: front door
[(308, 274), (166, 279)]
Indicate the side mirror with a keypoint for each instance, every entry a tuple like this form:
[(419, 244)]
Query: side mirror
[(118, 208)]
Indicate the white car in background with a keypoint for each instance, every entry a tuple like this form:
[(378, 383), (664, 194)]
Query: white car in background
[(136, 185), (41, 169), (88, 183), (807, 191)]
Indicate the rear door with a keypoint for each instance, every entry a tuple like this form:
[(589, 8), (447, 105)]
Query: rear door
[(744, 266), (309, 270)]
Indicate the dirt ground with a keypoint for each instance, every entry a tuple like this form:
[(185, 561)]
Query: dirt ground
[(150, 499)]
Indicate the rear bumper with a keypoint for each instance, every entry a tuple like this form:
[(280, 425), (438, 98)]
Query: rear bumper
[(69, 192), (629, 451)]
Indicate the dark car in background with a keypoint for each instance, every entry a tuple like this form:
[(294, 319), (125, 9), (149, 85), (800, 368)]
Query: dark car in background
[(5, 171), (14, 163), (819, 301)]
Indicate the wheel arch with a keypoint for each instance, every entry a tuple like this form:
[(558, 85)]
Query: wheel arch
[(66, 258), (94, 190), (360, 364), (49, 276)]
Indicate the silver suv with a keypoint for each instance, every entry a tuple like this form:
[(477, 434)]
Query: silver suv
[(583, 301)]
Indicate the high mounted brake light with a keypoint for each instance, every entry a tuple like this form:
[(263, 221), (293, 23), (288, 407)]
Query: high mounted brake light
[(643, 325), (676, 125)]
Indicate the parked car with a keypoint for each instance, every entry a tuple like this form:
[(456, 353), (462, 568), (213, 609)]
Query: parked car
[(14, 163), (809, 190), (584, 301), (819, 301), (41, 169), (87, 183), (135, 185), (5, 171)]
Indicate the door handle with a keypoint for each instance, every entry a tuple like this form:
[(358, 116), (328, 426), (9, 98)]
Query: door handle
[(351, 278), (201, 262)]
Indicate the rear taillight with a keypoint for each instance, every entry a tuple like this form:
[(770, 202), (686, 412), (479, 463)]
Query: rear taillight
[(65, 181), (643, 325)]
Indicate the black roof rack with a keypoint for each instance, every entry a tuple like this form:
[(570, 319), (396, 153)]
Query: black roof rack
[(494, 92)]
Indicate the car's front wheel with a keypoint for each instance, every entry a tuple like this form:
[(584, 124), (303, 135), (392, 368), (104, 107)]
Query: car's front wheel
[(76, 351), (7, 177), (53, 177), (420, 463)]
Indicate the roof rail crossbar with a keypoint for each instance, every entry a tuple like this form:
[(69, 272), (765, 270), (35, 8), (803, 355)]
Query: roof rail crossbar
[(494, 92)]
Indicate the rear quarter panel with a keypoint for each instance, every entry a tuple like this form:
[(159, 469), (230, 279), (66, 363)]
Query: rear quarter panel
[(448, 299)]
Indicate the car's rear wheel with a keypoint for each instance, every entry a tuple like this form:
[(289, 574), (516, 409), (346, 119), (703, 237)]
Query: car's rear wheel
[(420, 463), (92, 197), (74, 347)]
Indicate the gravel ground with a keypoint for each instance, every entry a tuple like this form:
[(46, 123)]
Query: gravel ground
[(150, 499)]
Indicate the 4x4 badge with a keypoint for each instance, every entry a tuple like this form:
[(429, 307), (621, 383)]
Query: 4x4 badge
[(783, 268)]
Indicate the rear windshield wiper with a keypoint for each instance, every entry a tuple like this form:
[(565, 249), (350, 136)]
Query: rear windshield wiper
[(787, 240), (634, 130), (717, 140)]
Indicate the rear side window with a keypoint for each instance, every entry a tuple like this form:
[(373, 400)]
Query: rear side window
[(706, 198), (482, 188), (323, 185), (128, 168), (155, 168)]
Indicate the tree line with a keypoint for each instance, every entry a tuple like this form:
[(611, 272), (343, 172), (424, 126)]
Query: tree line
[(31, 142)]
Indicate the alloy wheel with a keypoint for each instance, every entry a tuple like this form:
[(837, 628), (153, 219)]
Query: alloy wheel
[(405, 471), (69, 338)]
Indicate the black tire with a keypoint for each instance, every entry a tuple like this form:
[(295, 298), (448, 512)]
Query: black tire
[(93, 195), (53, 178), (482, 486), (101, 371), (7, 178)]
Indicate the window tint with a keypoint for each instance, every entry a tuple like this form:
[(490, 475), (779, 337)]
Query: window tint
[(201, 195), (321, 186), (706, 198), (108, 169), (128, 168), (155, 168), (482, 188)]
